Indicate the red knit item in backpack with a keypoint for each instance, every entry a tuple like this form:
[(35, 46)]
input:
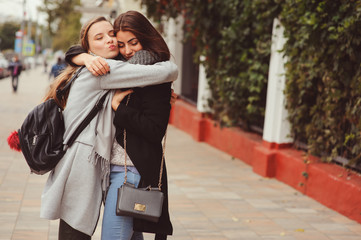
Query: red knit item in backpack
[(13, 141)]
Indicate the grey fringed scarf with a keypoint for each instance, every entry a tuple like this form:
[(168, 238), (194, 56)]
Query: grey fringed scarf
[(105, 130)]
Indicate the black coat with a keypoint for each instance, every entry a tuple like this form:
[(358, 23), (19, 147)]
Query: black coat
[(12, 66), (145, 120)]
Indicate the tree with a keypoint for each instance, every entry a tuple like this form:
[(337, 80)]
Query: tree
[(63, 22), (68, 33), (7, 34)]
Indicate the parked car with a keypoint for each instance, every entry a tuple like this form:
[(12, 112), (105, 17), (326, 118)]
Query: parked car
[(4, 72)]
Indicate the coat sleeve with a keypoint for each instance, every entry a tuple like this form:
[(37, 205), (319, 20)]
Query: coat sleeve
[(72, 52), (152, 120), (126, 75), (131, 74)]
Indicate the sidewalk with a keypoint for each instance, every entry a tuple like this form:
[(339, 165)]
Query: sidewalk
[(212, 196)]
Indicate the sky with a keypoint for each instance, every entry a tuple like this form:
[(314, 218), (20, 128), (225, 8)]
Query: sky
[(13, 9)]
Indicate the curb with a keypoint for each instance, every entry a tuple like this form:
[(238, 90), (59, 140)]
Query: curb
[(329, 184)]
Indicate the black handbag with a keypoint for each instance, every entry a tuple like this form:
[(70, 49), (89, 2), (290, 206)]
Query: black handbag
[(142, 203), (41, 134)]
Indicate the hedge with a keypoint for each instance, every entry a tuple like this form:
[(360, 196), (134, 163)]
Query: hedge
[(323, 83), (323, 88), (237, 50)]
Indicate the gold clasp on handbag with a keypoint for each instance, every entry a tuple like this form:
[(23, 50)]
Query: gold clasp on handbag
[(139, 207)]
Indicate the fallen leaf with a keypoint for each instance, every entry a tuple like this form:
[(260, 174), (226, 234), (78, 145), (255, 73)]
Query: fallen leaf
[(299, 230)]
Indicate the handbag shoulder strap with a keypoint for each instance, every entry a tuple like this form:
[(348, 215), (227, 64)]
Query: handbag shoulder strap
[(162, 162), (86, 120), (125, 155)]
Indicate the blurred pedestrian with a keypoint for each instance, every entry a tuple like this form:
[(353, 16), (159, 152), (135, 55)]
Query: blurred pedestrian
[(15, 68), (45, 65), (57, 68)]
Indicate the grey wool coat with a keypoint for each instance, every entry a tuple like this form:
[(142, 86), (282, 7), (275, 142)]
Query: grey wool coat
[(73, 191)]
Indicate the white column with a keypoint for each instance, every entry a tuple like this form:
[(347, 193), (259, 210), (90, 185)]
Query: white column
[(204, 92), (126, 5), (174, 37), (276, 126)]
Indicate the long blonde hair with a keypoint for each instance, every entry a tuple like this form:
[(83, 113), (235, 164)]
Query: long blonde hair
[(69, 71)]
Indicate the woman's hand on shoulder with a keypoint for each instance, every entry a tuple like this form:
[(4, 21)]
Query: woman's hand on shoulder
[(119, 95), (96, 65)]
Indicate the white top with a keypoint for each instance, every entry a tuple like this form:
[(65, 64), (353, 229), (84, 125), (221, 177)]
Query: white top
[(117, 156)]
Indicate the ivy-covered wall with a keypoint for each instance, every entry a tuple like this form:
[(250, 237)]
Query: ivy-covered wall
[(323, 72), (324, 75), (235, 38)]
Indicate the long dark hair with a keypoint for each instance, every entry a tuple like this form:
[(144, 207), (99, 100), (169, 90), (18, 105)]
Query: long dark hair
[(148, 36), (66, 75)]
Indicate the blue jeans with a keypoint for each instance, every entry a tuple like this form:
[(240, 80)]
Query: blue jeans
[(118, 227)]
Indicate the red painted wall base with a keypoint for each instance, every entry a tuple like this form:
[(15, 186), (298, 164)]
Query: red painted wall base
[(330, 184)]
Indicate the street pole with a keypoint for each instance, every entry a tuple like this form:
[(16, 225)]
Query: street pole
[(36, 39), (29, 28), (22, 31)]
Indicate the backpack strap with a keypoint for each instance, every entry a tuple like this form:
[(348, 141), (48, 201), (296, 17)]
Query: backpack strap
[(86, 121), (99, 105), (60, 92)]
